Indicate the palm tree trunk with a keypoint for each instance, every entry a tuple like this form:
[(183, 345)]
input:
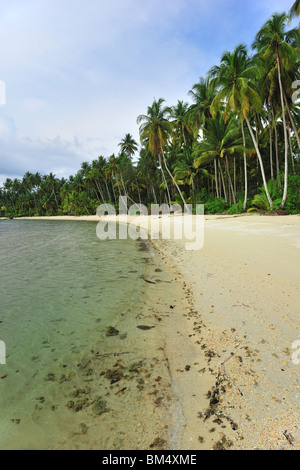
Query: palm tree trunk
[(164, 179), (216, 178), (260, 162), (229, 179), (99, 190), (107, 190), (234, 176), (271, 145), (153, 191), (113, 190), (223, 182), (276, 144), (245, 167), (54, 193), (174, 181), (138, 188), (97, 195), (292, 120), (292, 155), (285, 137), (126, 193)]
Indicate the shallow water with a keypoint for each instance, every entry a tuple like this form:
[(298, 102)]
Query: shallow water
[(60, 288)]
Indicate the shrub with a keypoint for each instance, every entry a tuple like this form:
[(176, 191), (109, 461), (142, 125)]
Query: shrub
[(216, 206)]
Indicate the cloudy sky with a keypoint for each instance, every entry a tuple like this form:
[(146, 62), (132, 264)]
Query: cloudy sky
[(77, 73)]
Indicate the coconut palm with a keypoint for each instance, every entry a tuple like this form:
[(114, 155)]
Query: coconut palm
[(222, 141), (128, 145), (237, 92), (202, 94), (273, 45), (182, 128), (156, 129)]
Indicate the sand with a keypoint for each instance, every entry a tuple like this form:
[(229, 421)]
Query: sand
[(229, 339)]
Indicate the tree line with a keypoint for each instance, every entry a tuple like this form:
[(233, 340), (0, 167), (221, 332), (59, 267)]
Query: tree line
[(235, 148)]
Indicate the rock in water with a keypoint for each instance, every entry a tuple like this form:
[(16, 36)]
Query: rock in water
[(145, 327), (111, 331), (100, 406)]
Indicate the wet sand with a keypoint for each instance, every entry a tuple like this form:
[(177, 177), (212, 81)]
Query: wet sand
[(227, 318)]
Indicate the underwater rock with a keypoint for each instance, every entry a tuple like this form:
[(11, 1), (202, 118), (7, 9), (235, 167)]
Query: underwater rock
[(114, 375), (83, 428), (100, 406), (145, 327), (50, 377), (111, 331), (78, 405), (158, 443), (135, 367)]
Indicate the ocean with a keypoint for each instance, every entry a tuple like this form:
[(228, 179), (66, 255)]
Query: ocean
[(69, 305)]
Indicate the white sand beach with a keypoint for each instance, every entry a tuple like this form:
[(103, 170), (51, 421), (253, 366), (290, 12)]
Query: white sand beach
[(230, 345)]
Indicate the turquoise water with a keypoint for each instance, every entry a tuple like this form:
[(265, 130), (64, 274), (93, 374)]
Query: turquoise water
[(60, 288)]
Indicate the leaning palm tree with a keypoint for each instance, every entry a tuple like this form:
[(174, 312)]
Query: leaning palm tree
[(155, 128), (233, 79), (273, 45)]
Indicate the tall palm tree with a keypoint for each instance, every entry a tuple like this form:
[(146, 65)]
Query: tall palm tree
[(156, 129), (272, 43), (233, 79)]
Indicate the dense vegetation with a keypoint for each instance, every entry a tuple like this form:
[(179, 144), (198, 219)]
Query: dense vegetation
[(235, 148)]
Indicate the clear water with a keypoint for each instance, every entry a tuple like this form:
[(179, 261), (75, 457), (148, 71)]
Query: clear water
[(60, 288)]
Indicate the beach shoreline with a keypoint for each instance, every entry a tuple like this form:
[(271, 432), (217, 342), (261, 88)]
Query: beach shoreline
[(230, 348)]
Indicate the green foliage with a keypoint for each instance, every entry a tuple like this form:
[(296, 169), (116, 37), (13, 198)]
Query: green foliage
[(216, 206), (293, 197), (292, 205), (237, 208)]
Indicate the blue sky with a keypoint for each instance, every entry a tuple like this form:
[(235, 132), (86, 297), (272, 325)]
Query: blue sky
[(78, 73)]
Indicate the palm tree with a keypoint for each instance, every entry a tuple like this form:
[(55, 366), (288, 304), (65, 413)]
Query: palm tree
[(222, 141), (232, 78), (51, 181), (155, 128), (182, 129), (202, 94), (146, 171), (128, 145), (272, 43)]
